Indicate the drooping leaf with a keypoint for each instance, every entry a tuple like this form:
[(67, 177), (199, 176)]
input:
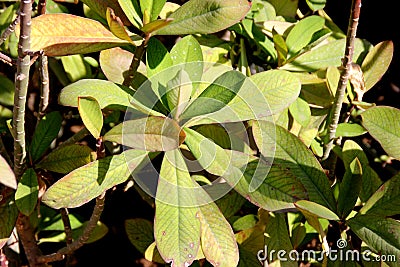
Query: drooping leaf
[(176, 223), (277, 237), (27, 193), (158, 57), (382, 235), (132, 11), (350, 188), (153, 7), (280, 46), (91, 180), (150, 134), (65, 34), (6, 91), (8, 216), (386, 200), (300, 35), (105, 92), (376, 63), (91, 115), (7, 176), (67, 158), (325, 55), (45, 133), (140, 233), (100, 7), (383, 124), (316, 209), (116, 26), (291, 154), (205, 16)]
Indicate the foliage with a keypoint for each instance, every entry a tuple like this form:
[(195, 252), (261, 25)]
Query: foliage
[(226, 134)]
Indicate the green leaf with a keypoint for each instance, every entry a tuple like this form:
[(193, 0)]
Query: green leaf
[(316, 4), (89, 181), (370, 180), (153, 7), (178, 94), (188, 50), (255, 33), (65, 34), (91, 115), (280, 46), (350, 188), (245, 222), (301, 112), (301, 34), (217, 239), (140, 233), (383, 124), (158, 57), (285, 8), (382, 235), (316, 209), (176, 223), (153, 26), (230, 203), (75, 67), (150, 134), (205, 16), (27, 193), (105, 92), (116, 26), (45, 133), (7, 176), (349, 130), (132, 12), (58, 225), (277, 237), (291, 154), (6, 91), (376, 63), (386, 200), (66, 159), (8, 216), (100, 7), (323, 56), (280, 88)]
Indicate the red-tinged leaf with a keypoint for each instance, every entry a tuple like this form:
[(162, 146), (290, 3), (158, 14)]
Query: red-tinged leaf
[(100, 7), (65, 34), (116, 26)]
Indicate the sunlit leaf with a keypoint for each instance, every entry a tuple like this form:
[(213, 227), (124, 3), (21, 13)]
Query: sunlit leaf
[(27, 193), (150, 134), (376, 63), (89, 181), (45, 133), (316, 4), (176, 223), (75, 67), (286, 8), (153, 7), (132, 11), (301, 112), (178, 96), (158, 57), (205, 16), (382, 235), (7, 176), (105, 92), (291, 154), (116, 26), (349, 130), (300, 35), (383, 124), (91, 115), (100, 7), (65, 34), (386, 200), (155, 25)]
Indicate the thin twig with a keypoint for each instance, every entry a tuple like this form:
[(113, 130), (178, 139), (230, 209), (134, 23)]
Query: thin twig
[(44, 87), (137, 57), (346, 65), (42, 7), (67, 225), (6, 59), (10, 29), (76, 244)]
